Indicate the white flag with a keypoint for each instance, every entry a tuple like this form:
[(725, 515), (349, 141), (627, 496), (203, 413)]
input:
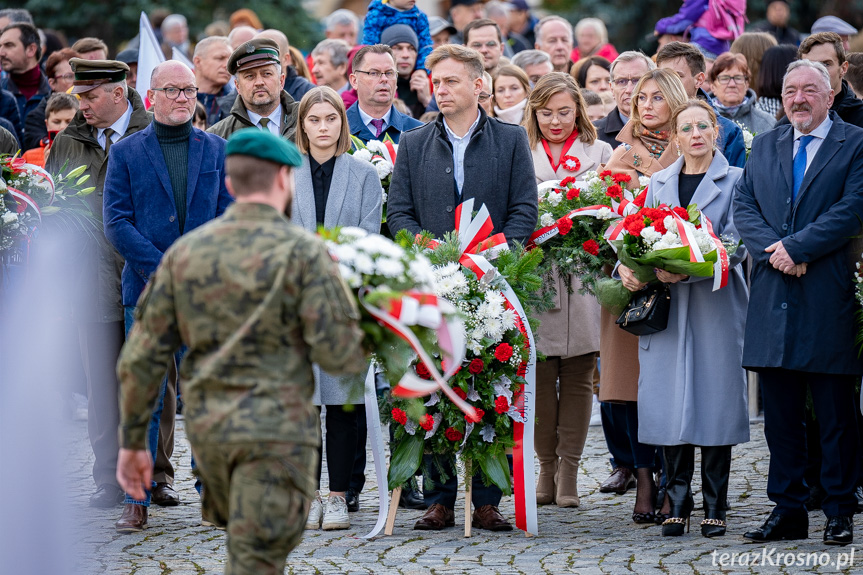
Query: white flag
[(178, 55), (149, 56)]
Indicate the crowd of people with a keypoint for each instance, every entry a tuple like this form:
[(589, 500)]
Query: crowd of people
[(485, 104)]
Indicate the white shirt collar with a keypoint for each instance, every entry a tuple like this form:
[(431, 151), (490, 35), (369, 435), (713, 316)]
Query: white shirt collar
[(470, 130), (275, 119), (367, 120), (119, 127), (820, 132)]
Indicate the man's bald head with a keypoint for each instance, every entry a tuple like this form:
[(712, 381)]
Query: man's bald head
[(281, 40)]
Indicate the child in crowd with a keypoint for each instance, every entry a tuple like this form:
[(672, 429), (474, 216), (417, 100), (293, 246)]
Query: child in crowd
[(199, 120), (384, 13), (59, 111)]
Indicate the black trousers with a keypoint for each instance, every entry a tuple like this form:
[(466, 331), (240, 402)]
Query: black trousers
[(835, 405), (715, 471), (341, 443)]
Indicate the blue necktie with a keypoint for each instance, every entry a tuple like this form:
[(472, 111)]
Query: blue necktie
[(799, 168)]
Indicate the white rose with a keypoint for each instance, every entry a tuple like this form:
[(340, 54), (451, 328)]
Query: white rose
[(604, 214), (650, 235), (546, 219)]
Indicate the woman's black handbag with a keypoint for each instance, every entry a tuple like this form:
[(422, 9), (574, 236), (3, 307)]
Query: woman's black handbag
[(647, 312)]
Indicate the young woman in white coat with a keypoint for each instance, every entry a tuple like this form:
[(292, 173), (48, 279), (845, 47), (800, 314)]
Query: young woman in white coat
[(691, 386), (333, 189)]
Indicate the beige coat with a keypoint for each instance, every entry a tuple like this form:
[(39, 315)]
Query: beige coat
[(571, 327), (619, 349)]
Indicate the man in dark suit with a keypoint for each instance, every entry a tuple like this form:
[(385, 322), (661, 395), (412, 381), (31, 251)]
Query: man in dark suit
[(147, 209), (626, 70), (463, 154), (797, 216), (372, 116)]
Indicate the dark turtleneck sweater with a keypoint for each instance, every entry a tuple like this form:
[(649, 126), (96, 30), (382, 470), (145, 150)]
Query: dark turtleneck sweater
[(174, 141), (28, 82)]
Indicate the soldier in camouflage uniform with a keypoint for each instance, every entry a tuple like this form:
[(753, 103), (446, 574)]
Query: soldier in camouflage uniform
[(257, 300)]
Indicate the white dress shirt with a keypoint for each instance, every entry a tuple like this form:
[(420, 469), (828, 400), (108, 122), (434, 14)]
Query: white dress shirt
[(119, 127), (367, 120), (815, 144), (459, 145), (275, 120)]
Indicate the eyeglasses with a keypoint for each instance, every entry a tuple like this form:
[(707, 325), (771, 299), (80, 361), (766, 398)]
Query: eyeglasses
[(484, 97), (564, 116), (727, 79), (69, 76), (491, 44), (622, 82), (376, 74), (702, 127), (174, 93)]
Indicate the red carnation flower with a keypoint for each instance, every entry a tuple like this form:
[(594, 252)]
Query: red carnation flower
[(570, 163), (501, 405), (453, 434), (682, 213), (614, 191), (503, 352), (475, 366), (591, 247), (634, 226), (399, 416), (567, 181), (460, 392), (423, 371), (572, 193), (604, 173), (640, 198), (621, 178), (479, 414), (564, 226), (427, 422)]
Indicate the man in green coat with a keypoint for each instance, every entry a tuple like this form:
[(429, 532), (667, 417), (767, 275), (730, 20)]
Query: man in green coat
[(257, 300), (260, 102)]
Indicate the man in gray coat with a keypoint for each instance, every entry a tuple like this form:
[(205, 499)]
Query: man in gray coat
[(463, 154)]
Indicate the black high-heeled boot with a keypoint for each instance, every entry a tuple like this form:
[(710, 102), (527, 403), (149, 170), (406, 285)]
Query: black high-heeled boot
[(715, 470), (679, 468)]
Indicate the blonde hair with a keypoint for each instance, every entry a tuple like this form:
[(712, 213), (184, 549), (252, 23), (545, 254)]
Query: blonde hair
[(548, 86), (322, 95), (471, 59), (694, 103), (672, 90)]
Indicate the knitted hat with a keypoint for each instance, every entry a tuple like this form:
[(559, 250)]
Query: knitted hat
[(398, 33)]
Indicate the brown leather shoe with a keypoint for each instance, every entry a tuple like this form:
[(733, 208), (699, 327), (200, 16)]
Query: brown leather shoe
[(133, 519), (165, 496), (620, 481), (436, 518), (488, 517)]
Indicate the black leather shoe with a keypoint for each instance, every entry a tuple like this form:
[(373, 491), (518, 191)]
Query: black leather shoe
[(839, 530), (781, 527), (352, 498), (412, 499), (107, 496), (858, 493), (165, 496)]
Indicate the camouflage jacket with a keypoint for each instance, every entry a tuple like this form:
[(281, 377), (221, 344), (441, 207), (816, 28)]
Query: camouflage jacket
[(257, 300)]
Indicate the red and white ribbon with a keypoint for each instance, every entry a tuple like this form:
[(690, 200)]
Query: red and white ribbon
[(25, 201), (721, 267)]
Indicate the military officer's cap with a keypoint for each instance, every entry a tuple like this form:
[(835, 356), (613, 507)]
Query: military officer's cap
[(92, 73), (263, 145), (254, 53)]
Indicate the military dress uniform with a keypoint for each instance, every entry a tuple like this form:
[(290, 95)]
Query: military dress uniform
[(257, 300)]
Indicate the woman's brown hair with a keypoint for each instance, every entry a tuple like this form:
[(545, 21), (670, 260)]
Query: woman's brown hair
[(322, 95), (547, 87)]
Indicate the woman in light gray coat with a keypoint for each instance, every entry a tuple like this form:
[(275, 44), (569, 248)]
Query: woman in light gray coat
[(334, 189), (691, 387)]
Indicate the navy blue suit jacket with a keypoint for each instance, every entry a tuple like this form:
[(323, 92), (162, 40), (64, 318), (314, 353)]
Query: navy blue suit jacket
[(808, 323), (139, 211), (398, 123)]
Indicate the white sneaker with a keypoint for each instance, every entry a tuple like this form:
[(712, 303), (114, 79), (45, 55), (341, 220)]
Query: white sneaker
[(336, 514), (595, 415), (315, 512)]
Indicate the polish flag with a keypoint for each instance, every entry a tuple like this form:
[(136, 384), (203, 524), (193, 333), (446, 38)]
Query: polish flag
[(179, 56), (149, 56)]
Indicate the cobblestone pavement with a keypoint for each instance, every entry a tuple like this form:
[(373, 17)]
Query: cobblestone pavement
[(598, 537)]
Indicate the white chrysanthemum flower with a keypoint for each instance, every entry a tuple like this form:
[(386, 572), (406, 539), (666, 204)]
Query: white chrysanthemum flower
[(421, 271), (494, 298), (643, 181), (10, 217), (650, 235), (507, 318), (554, 198), (376, 244), (546, 219), (364, 264), (446, 270), (493, 328), (353, 232), (363, 155), (352, 278), (384, 168), (344, 253), (389, 267), (604, 214)]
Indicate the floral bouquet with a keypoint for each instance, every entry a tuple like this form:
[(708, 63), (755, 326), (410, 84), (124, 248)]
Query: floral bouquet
[(677, 240), (489, 378), (574, 217), (381, 155), (747, 138)]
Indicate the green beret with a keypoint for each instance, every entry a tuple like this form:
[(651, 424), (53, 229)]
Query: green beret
[(92, 73), (254, 53), (264, 145)]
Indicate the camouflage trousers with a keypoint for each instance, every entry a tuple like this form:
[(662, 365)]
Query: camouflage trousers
[(260, 492)]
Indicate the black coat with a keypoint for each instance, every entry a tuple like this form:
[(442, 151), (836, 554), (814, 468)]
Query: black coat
[(498, 173), (609, 127), (808, 323)]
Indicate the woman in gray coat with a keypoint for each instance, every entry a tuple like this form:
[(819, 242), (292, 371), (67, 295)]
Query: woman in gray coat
[(691, 387), (334, 189)]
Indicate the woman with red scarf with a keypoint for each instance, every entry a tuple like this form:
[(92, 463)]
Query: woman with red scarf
[(564, 144)]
